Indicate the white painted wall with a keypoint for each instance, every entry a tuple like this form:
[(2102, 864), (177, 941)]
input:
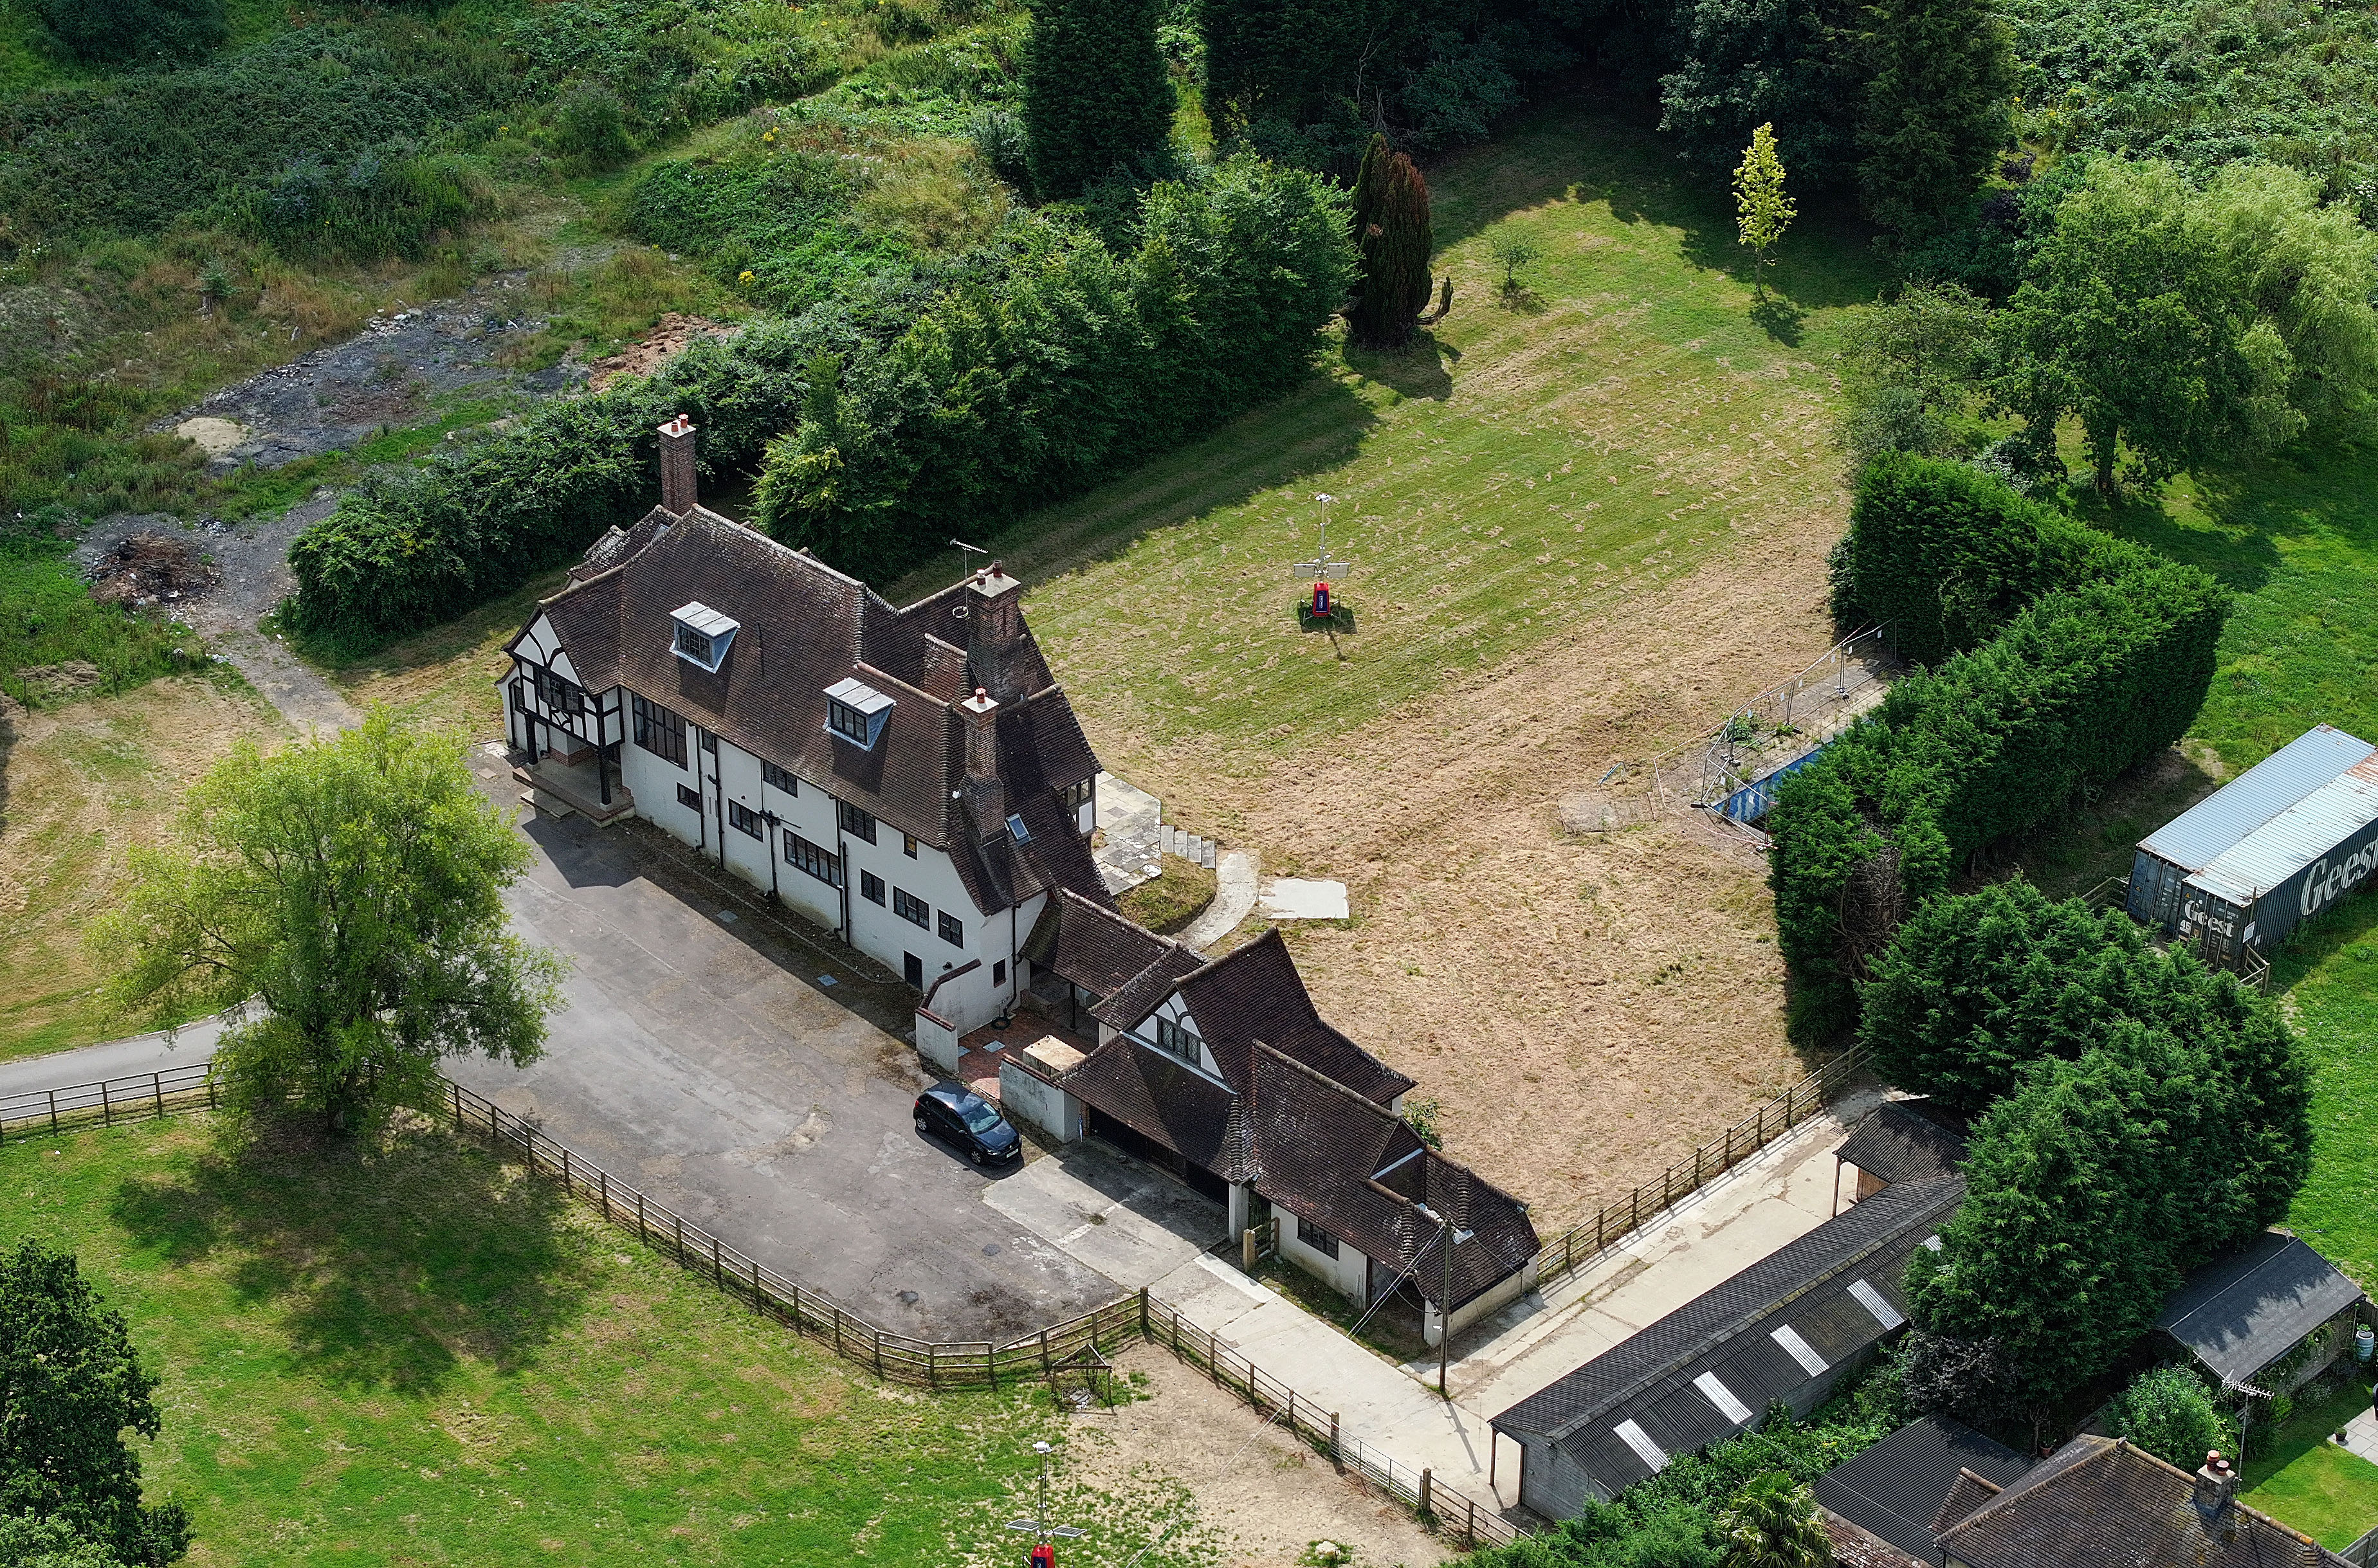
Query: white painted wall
[(1490, 1301), (1025, 1098), (1348, 1272)]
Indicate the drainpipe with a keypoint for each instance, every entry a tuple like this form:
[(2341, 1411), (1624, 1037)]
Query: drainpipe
[(842, 867), (602, 768)]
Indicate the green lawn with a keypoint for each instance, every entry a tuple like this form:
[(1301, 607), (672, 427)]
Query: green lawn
[(2305, 1480), (414, 1355), (2330, 980), (1531, 462)]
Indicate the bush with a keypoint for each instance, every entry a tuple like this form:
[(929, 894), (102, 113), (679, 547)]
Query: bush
[(120, 30), (2081, 685), (48, 618), (1012, 392), (2170, 1413), (590, 129), (377, 206), (785, 218), (1947, 555)]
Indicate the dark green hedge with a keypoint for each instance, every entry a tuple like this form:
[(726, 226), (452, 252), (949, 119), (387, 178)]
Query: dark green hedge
[(1947, 553), (1000, 398), (2081, 685), (967, 389)]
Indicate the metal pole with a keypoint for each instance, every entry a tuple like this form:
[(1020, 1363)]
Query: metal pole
[(1445, 1310)]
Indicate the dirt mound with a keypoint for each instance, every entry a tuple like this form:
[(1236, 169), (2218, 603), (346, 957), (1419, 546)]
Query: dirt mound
[(150, 567), (654, 349)]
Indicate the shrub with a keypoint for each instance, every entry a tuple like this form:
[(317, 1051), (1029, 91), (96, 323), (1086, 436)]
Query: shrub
[(1947, 553), (2170, 1413), (590, 127), (376, 206), (1096, 93), (785, 218), (1009, 393), (2081, 685), (134, 30)]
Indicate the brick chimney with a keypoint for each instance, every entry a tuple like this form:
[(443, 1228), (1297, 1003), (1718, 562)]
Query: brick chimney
[(679, 490), (985, 792), (2216, 1488), (995, 633)]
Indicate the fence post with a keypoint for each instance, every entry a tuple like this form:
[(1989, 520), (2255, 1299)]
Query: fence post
[(1143, 1331), (1044, 1352), (678, 1220), (718, 1269), (566, 1185), (1762, 1127), (1469, 1523), (757, 1299), (643, 1235), (157, 1087), (457, 1088), (54, 1109), (603, 1185), (1291, 1412), (1334, 1452), (1427, 1487), (1696, 1166), (106, 1116), (932, 1364), (211, 1087)]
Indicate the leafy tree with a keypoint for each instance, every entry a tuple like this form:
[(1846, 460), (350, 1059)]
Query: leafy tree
[(353, 885), (2186, 325), (1772, 1522), (1392, 234), (1762, 211), (1512, 251), (1301, 63), (1933, 340), (1794, 63), (118, 31), (28, 1542), (2170, 1413), (1097, 95), (1936, 111), (71, 1386)]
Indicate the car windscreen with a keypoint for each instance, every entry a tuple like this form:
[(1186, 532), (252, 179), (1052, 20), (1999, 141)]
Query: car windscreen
[(978, 1115)]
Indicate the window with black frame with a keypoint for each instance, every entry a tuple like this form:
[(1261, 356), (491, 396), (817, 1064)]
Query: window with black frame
[(909, 907), (743, 820), (1312, 1235), (952, 930), (815, 858), (1171, 1038), (857, 823), (777, 778), (658, 731)]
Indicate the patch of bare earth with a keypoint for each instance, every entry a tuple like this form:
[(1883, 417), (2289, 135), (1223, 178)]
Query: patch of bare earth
[(1584, 1007), (675, 332), (1268, 1495)]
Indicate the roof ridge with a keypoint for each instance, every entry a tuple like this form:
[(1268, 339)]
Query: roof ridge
[(1320, 1077)]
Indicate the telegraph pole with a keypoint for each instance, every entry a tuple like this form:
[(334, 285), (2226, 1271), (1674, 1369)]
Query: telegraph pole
[(1451, 1237)]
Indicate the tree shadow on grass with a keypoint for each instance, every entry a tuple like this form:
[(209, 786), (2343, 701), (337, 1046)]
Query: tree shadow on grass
[(1419, 369), (1778, 318), (390, 1261)]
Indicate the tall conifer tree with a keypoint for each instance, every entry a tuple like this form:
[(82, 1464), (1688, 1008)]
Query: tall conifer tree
[(1096, 93), (1936, 111), (1391, 230)]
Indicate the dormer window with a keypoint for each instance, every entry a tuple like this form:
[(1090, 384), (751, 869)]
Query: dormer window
[(702, 636), (1174, 1040), (855, 712)]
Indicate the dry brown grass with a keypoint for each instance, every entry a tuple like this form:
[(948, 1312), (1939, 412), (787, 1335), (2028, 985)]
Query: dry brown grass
[(446, 677), (84, 784)]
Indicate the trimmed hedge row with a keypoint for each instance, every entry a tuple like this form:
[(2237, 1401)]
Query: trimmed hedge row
[(2080, 686), (1948, 555), (1001, 399), (959, 392)]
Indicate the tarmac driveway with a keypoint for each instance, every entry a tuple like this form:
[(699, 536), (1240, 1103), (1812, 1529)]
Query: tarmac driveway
[(701, 1058)]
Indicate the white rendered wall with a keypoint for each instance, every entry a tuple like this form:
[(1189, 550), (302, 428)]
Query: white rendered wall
[(1348, 1272)]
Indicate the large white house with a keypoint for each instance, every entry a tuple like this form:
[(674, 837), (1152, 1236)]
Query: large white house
[(912, 777)]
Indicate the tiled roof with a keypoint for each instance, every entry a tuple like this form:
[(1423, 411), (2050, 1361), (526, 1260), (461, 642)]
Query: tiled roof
[(1091, 945), (1854, 1548), (1895, 1489), (1900, 1141), (2099, 1502), (1141, 994), (1969, 1493), (805, 627), (1160, 1097), (1319, 1148), (1254, 993)]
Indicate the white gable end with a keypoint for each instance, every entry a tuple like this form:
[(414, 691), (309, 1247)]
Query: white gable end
[(539, 642), (561, 666)]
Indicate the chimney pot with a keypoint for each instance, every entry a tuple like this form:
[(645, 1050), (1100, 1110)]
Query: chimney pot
[(2216, 1487), (679, 486)]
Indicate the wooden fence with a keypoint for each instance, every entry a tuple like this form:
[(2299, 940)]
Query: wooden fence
[(1615, 1222), (163, 1093), (1309, 1420)]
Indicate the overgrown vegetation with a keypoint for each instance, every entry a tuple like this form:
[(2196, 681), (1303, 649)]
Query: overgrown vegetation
[(56, 641)]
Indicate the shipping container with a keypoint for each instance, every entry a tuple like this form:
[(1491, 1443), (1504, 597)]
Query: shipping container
[(2192, 841), (2284, 872)]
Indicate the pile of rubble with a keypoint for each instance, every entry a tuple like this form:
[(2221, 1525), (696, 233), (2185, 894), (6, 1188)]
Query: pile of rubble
[(150, 567)]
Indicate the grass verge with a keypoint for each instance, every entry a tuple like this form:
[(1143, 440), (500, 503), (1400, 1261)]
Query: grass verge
[(81, 786), (1172, 898), (406, 1352), (2301, 1479)]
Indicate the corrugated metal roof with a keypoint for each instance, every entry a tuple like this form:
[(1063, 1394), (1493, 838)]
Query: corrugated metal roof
[(1894, 1490), (2295, 838), (2199, 835), (2243, 1312), (1823, 1298)]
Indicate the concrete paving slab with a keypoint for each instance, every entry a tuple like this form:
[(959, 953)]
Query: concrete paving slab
[(1129, 1224), (2362, 1436), (1234, 897), (1301, 898), (1131, 821)]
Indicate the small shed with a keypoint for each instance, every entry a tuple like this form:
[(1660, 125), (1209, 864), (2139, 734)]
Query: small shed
[(2236, 871), (1901, 1141), (1896, 1490), (2239, 1315), (1783, 1331)]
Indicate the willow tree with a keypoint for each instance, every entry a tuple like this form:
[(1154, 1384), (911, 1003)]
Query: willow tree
[(1392, 233)]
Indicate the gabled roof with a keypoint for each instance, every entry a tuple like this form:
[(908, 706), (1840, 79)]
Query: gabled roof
[(1254, 993), (1319, 1152), (2097, 1503), (1707, 1370), (805, 627), (1160, 1097), (1897, 1487), (1145, 991), (1900, 1142), (1091, 945), (2241, 1312)]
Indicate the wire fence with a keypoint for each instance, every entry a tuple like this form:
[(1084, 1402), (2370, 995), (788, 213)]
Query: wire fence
[(1452, 1512), (1731, 766), (1615, 1222)]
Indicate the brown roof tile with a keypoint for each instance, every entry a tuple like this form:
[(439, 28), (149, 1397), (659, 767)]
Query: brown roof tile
[(1091, 944)]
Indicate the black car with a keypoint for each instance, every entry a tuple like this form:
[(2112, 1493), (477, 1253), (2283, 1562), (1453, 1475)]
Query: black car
[(957, 1115)]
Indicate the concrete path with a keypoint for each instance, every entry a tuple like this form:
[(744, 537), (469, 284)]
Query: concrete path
[(1129, 822), (2362, 1436), (1234, 899), (117, 1058)]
